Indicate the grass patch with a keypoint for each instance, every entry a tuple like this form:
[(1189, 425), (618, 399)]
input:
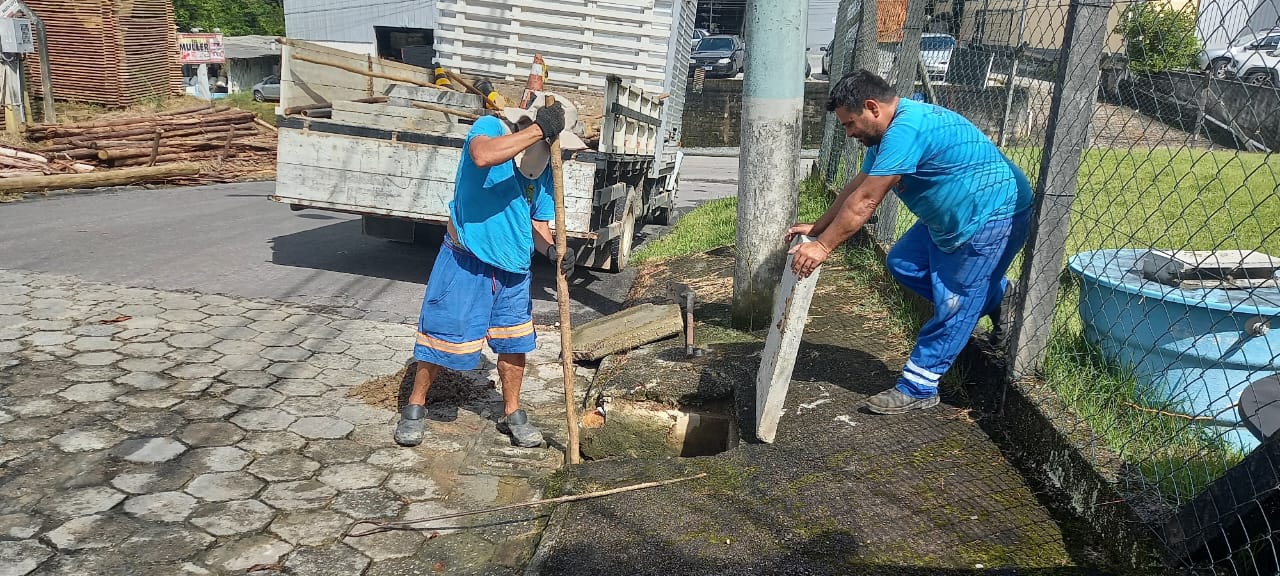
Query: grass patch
[(244, 101)]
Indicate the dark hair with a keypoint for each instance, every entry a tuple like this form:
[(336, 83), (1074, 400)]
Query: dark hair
[(856, 88)]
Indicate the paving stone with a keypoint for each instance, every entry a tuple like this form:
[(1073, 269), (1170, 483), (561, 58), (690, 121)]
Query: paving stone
[(93, 374), (145, 380), (286, 353), (263, 420), (353, 476), (254, 397), (19, 526), (369, 503), (149, 364), (220, 300), (19, 558), (87, 440), (149, 450), (279, 467), (152, 481), (361, 336), (38, 406), (412, 486), (152, 336), (397, 458), (272, 313), (300, 388), (380, 436), (325, 346), (96, 358), (193, 386), (197, 363), (161, 506), (5, 418), (248, 379), (107, 410), (293, 370), (370, 352), (184, 316), (223, 321), (10, 346), (201, 434), (331, 452), (181, 303), (231, 518), (310, 527), (387, 545), (233, 333), (379, 367), (195, 340), (431, 509), (80, 502), (321, 427), (308, 406), (299, 495), (334, 361), (145, 350), (96, 330), (364, 414), (48, 339), (479, 488), (130, 335), (205, 408), (94, 344), (246, 362), (239, 555), (331, 560), (224, 486), (149, 399), (150, 423), (272, 442), (269, 326), (93, 392), (219, 459), (278, 339), (161, 546)]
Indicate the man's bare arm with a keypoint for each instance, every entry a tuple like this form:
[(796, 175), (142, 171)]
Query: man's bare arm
[(487, 151), (542, 238), (856, 209)]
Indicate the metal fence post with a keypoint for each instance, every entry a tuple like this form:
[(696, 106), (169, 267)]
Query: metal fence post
[(841, 49), (885, 229), (866, 56), (1070, 114)]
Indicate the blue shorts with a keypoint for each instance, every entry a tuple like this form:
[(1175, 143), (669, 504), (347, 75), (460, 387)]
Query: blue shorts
[(467, 303)]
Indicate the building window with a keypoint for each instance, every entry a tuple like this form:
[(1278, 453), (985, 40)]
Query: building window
[(408, 45)]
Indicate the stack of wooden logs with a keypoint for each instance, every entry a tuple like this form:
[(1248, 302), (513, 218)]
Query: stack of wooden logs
[(193, 134)]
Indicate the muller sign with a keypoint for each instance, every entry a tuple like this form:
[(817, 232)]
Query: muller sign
[(200, 49)]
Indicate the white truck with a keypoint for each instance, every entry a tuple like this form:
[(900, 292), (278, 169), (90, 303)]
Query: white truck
[(364, 135)]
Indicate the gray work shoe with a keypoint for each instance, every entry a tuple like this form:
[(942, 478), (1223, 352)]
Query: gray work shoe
[(412, 427), (523, 434), (893, 401)]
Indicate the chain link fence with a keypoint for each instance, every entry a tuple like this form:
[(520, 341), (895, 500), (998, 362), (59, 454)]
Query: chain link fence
[(1148, 293)]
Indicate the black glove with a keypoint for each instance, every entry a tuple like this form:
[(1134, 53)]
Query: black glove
[(551, 120), (566, 265)]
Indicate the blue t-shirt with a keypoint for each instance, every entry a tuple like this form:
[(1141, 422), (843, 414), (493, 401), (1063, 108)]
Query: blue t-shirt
[(953, 177), (493, 208)]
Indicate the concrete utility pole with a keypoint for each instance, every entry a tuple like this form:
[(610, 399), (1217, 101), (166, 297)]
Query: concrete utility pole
[(772, 106)]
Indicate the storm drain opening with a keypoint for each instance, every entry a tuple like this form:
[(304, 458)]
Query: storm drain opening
[(629, 429)]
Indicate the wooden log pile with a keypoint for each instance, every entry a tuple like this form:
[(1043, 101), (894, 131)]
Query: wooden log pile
[(226, 142)]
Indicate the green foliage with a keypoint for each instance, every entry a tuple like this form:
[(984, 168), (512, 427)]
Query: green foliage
[(1158, 38), (233, 17)]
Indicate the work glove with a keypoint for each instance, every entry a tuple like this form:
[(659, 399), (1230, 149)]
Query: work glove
[(551, 120), (570, 258)]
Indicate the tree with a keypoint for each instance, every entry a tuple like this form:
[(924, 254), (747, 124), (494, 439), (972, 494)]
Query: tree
[(233, 17), (1158, 38)]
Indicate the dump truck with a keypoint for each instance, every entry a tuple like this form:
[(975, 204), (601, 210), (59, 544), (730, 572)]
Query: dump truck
[(380, 139)]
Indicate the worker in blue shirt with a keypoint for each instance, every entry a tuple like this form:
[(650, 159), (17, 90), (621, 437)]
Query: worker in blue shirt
[(478, 291), (973, 206)]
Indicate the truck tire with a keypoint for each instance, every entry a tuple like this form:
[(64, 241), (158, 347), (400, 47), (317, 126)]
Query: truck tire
[(619, 248)]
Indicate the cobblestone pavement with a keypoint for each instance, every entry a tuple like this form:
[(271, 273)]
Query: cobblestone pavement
[(209, 435)]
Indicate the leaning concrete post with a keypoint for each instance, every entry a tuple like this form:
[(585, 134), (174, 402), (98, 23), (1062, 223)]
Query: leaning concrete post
[(1070, 113), (772, 102), (790, 313)]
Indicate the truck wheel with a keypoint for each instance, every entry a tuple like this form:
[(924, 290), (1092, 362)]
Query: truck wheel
[(660, 216), (1258, 78), (620, 248)]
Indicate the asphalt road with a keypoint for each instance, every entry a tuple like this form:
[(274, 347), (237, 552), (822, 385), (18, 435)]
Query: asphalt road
[(232, 240)]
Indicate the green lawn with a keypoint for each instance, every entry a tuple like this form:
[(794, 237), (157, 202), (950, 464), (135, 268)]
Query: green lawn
[(244, 101)]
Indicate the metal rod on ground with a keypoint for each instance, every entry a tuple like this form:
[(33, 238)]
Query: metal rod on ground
[(386, 526), (562, 295)]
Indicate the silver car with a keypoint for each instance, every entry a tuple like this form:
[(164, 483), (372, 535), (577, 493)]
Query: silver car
[(267, 89)]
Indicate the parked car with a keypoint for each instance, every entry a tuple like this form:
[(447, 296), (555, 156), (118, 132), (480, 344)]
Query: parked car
[(698, 35), (719, 55), (935, 50), (1253, 58), (267, 89)]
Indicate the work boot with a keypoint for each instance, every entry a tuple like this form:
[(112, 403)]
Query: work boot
[(1002, 318), (523, 434), (894, 401), (412, 426)]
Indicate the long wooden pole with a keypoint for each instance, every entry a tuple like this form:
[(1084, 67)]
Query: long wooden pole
[(562, 292), (96, 179), (363, 72)]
